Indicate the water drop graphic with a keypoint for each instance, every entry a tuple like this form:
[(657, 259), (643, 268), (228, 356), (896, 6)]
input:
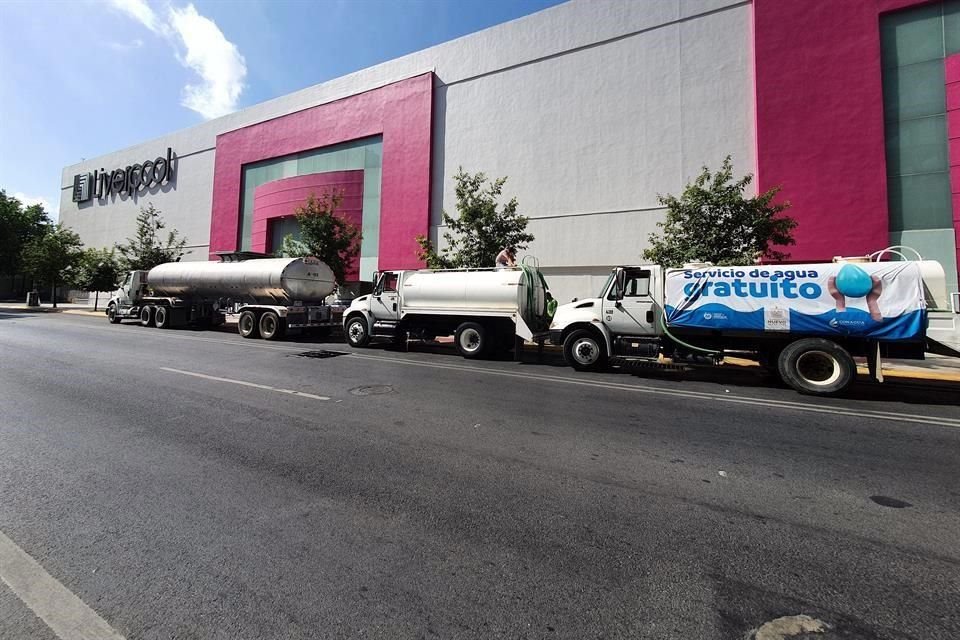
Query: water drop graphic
[(853, 281)]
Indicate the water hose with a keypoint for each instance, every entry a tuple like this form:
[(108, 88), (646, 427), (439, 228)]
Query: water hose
[(666, 331)]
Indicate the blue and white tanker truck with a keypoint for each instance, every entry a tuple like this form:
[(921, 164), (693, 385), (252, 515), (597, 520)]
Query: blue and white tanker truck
[(805, 322)]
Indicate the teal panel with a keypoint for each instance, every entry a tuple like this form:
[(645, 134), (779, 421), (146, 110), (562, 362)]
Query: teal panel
[(951, 26), (373, 156), (917, 146), (914, 91), (371, 182), (916, 35), (933, 244), (370, 243), (920, 202)]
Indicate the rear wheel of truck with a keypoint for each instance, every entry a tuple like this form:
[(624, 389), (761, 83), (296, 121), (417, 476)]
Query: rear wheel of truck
[(815, 366), (146, 315), (356, 332), (112, 314), (161, 318), (472, 339), (247, 325), (584, 350), (271, 326)]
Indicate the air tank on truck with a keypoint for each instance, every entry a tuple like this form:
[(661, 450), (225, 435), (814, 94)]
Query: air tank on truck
[(486, 310), (269, 296)]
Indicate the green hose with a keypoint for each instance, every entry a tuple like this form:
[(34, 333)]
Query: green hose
[(663, 325), (550, 305)]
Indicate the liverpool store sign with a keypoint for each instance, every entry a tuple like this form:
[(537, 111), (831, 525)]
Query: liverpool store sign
[(128, 180)]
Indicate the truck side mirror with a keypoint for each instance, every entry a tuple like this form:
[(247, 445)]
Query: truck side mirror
[(620, 281)]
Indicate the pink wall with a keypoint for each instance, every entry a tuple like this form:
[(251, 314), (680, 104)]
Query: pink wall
[(279, 199), (400, 112), (952, 78), (819, 122)]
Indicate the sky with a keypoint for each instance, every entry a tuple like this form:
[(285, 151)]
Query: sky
[(82, 78)]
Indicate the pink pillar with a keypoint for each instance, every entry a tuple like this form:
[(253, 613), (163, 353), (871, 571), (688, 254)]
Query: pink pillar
[(952, 77)]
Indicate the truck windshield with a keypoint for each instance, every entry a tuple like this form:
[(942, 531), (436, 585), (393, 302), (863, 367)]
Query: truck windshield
[(606, 284)]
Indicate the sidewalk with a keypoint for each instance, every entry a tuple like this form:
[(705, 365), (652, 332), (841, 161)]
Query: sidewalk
[(62, 307)]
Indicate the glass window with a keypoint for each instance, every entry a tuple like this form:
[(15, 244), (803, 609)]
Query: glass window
[(914, 35), (917, 146), (914, 91), (951, 26), (637, 284), (920, 201)]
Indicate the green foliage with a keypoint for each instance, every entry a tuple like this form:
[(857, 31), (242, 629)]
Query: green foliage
[(99, 270), (480, 231), (148, 248), (54, 257), (18, 226), (324, 235), (712, 221)]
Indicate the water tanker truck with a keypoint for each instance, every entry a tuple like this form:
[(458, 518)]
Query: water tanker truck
[(486, 310), (804, 322), (269, 295)]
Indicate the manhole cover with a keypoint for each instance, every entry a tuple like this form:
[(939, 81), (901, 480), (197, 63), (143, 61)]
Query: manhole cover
[(887, 501), (320, 354), (372, 390)]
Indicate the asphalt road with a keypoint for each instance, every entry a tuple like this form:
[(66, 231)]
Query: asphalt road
[(187, 484)]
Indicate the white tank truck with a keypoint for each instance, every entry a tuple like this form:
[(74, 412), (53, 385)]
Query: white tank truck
[(486, 310), (271, 296), (804, 322)]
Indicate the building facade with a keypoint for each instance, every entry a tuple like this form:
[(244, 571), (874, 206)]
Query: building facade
[(592, 108)]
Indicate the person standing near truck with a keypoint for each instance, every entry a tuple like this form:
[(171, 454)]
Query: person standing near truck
[(506, 258)]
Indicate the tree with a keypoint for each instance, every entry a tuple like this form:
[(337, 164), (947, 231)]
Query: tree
[(712, 221), (99, 271), (481, 230), (54, 257), (324, 234), (18, 225), (147, 249)]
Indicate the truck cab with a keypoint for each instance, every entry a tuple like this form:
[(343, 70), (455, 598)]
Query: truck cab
[(623, 320)]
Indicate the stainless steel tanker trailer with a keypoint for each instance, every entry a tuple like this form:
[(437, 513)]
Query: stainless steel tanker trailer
[(269, 296), (486, 310)]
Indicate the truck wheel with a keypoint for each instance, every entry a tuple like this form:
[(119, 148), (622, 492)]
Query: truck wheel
[(271, 326), (161, 318), (472, 339), (146, 315), (816, 366), (247, 325), (356, 332), (112, 314), (584, 350)]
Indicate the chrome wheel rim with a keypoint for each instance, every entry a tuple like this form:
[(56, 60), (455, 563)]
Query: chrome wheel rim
[(356, 331), (268, 325), (585, 351), (470, 340)]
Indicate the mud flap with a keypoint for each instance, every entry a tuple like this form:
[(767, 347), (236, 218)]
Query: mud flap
[(875, 362)]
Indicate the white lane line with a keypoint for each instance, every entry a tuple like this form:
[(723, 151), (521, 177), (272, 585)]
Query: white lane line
[(301, 394), (66, 614), (611, 385)]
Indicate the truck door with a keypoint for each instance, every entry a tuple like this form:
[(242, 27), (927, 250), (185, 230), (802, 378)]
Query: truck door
[(386, 298), (628, 307)]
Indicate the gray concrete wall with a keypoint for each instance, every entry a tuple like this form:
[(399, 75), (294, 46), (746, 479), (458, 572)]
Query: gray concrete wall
[(592, 108)]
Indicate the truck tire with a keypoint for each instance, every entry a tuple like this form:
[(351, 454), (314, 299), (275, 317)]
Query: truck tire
[(146, 315), (271, 326), (816, 366), (161, 317), (585, 350), (247, 325), (112, 314), (356, 332), (472, 340)]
